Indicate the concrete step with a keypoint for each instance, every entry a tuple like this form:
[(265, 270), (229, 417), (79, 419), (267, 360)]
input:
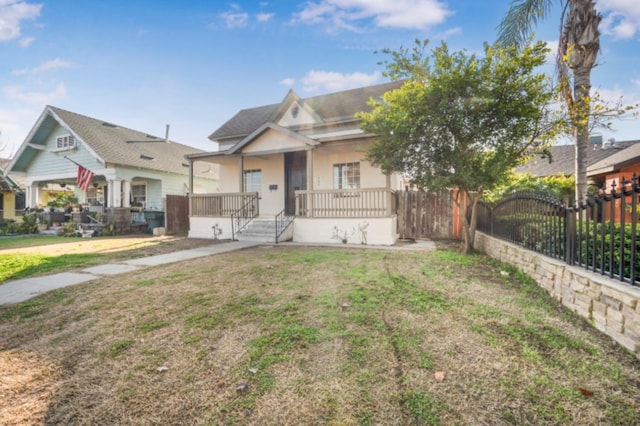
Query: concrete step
[(262, 230)]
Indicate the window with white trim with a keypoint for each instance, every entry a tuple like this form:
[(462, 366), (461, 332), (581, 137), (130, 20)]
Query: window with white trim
[(67, 141), (252, 180), (138, 194), (346, 176)]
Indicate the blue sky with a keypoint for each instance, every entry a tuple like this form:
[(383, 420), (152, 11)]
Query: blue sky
[(193, 64)]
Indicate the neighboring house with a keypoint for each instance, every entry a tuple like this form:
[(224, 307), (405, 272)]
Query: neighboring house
[(614, 170), (11, 194), (299, 163), (563, 158), (130, 168)]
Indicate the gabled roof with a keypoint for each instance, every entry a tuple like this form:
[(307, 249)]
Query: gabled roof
[(563, 159), (618, 159), (330, 108), (9, 183), (270, 126), (112, 143)]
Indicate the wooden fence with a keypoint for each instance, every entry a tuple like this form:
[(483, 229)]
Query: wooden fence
[(177, 214), (427, 214)]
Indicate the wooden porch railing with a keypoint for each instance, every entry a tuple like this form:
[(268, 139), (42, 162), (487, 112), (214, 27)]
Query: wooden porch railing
[(346, 203), (219, 205)]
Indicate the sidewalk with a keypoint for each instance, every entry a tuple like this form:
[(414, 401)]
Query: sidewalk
[(21, 290)]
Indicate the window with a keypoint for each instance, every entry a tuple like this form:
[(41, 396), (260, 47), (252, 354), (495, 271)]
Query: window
[(138, 195), (346, 176), (95, 196), (65, 142), (252, 180)]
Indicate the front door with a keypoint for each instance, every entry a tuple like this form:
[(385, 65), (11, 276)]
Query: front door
[(295, 178)]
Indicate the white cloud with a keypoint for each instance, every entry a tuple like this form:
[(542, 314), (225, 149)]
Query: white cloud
[(44, 67), (264, 17), (26, 41), (35, 98), (12, 13), (621, 17), (235, 18), (553, 53), (347, 14), (288, 82), (331, 81)]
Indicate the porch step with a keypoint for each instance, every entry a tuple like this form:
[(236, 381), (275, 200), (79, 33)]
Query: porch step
[(261, 230)]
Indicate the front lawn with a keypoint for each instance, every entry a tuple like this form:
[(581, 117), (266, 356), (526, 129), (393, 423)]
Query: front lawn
[(290, 335), (25, 256)]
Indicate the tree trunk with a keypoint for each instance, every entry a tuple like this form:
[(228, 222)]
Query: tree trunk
[(580, 44), (468, 224), (581, 89)]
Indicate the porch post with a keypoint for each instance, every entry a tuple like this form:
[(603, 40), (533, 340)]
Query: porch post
[(190, 183), (241, 167), (389, 212), (309, 194), (126, 201), (32, 195), (115, 193)]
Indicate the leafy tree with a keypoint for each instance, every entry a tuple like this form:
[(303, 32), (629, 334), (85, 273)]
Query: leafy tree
[(559, 186), (459, 120)]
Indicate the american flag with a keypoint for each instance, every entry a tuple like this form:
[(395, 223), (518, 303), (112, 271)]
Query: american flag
[(84, 178)]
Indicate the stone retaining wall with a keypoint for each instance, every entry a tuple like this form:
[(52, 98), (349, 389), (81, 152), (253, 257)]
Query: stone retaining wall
[(611, 306)]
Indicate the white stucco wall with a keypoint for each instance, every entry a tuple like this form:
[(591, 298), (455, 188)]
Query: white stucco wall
[(202, 227), (379, 231)]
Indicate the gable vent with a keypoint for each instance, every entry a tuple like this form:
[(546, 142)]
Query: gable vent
[(146, 157), (106, 124)]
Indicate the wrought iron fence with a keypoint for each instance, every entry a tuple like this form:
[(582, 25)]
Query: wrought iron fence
[(599, 233)]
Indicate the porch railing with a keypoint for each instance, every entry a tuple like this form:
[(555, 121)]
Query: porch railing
[(345, 203), (219, 205), (283, 221), (245, 214)]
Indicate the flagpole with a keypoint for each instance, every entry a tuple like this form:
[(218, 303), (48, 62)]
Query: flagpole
[(77, 164)]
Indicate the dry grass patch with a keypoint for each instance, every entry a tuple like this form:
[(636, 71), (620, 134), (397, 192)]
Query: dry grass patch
[(318, 336)]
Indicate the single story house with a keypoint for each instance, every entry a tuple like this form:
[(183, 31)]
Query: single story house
[(563, 158), (616, 170), (297, 170), (11, 194), (128, 168)]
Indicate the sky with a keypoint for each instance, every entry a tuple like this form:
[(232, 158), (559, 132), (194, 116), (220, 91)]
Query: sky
[(193, 64)]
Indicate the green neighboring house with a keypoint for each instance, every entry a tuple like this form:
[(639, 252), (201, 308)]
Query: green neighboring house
[(130, 168)]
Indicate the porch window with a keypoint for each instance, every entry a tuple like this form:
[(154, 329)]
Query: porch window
[(65, 142), (346, 176), (95, 196), (252, 180), (138, 194)]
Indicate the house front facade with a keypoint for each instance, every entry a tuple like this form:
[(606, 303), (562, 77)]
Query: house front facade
[(300, 166), (130, 169)]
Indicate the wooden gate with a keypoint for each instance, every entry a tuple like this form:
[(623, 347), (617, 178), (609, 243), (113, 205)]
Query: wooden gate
[(177, 214), (426, 214)]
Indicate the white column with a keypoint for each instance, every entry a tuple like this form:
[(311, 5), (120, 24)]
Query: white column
[(32, 196), (115, 193), (126, 193)]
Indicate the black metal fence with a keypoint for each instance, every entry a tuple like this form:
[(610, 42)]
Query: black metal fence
[(599, 234)]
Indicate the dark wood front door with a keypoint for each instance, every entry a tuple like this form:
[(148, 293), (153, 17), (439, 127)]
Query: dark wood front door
[(295, 178)]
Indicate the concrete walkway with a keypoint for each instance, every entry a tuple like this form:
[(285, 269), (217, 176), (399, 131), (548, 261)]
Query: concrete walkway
[(21, 290)]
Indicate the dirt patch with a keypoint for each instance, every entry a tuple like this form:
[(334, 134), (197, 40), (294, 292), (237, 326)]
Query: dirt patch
[(145, 245)]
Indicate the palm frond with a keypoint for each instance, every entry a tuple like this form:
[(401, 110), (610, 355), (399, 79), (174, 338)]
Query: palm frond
[(519, 21)]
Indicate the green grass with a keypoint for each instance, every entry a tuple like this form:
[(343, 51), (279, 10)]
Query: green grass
[(22, 265), (324, 336)]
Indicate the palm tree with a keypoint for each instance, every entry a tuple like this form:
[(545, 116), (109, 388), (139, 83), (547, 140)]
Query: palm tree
[(578, 47)]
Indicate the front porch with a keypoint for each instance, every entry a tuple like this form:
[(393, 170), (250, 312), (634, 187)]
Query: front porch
[(361, 216)]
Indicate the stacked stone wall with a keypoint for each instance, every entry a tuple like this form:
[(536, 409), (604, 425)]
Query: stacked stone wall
[(611, 306)]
